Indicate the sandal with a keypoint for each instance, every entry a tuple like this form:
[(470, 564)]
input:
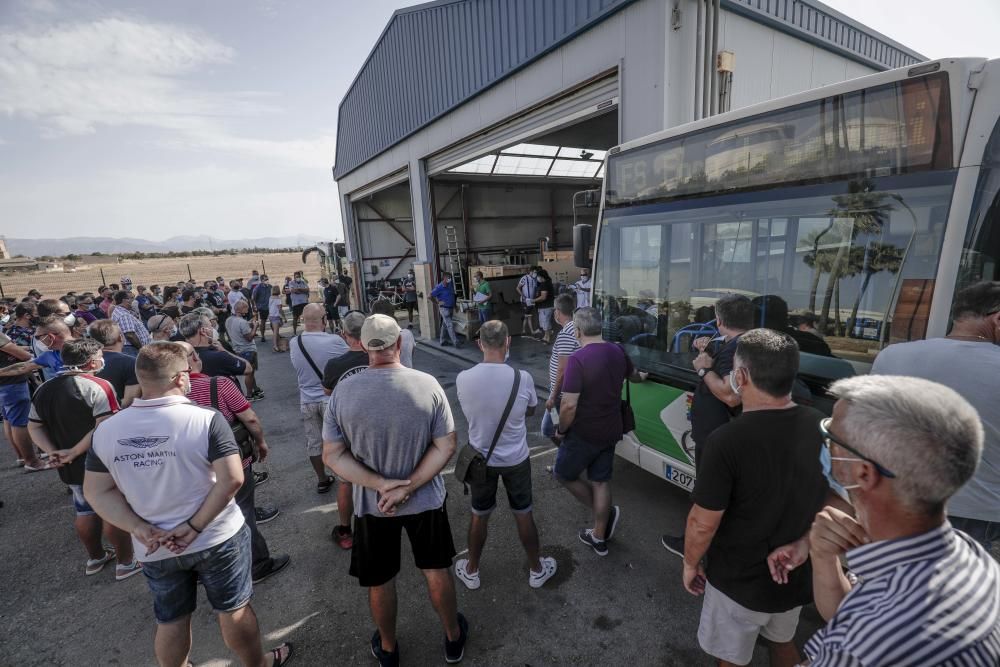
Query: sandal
[(95, 565), (275, 654), (45, 466), (325, 486)]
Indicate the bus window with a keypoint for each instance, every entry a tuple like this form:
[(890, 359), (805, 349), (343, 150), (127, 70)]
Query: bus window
[(981, 253)]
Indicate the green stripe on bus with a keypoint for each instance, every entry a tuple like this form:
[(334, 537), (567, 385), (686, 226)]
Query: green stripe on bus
[(648, 401)]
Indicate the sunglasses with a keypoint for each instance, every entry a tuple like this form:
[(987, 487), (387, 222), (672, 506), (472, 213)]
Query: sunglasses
[(824, 429)]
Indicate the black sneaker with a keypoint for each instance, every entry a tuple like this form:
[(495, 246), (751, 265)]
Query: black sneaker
[(454, 651), (385, 658), (600, 547), (278, 563), (265, 514), (674, 545), (609, 529), (444, 343), (260, 477)]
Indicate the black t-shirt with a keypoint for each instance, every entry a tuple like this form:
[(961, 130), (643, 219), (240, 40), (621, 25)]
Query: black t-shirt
[(408, 295), (188, 309), (329, 295), (346, 365), (119, 370), (546, 286), (69, 406), (344, 292), (763, 470), (708, 412), (214, 363)]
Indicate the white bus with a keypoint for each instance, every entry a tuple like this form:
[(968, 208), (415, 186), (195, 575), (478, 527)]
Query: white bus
[(858, 207)]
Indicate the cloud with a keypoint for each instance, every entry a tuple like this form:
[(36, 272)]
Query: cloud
[(73, 79)]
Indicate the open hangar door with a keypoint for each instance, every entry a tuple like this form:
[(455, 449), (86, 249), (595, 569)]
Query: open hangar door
[(513, 207), (386, 249)]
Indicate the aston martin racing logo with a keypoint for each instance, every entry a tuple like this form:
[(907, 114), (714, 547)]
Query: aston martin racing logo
[(143, 442)]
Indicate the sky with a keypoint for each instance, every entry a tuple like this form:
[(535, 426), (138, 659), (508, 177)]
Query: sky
[(155, 119)]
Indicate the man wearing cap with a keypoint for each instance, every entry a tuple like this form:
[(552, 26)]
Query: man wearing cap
[(399, 485)]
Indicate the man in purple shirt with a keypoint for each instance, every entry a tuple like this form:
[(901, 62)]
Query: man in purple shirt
[(590, 424)]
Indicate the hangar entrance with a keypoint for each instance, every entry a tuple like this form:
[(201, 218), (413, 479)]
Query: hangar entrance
[(385, 241), (512, 208)]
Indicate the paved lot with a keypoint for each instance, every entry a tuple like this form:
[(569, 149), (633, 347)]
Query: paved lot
[(627, 608)]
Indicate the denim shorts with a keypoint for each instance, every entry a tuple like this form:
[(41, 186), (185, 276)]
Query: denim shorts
[(15, 402), (576, 455), (250, 357), (224, 570), (80, 503), (516, 482)]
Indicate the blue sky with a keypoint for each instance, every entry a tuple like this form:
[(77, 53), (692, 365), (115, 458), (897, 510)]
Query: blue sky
[(155, 119)]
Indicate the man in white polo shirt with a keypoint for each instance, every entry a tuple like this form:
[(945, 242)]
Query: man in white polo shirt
[(166, 471)]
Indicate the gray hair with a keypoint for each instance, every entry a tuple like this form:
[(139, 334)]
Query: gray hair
[(192, 323), (924, 432), (493, 334), (352, 323), (587, 321), (204, 311), (565, 303)]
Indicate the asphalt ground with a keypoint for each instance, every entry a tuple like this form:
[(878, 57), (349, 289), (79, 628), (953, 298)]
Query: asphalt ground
[(626, 608)]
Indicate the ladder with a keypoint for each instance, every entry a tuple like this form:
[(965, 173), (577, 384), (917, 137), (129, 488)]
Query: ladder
[(455, 260)]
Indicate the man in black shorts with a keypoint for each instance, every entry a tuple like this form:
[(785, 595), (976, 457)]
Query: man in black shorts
[(399, 487)]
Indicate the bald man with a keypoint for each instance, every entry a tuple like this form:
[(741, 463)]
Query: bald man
[(309, 353)]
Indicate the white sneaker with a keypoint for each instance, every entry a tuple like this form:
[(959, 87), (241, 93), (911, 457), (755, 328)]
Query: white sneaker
[(470, 579), (538, 579)]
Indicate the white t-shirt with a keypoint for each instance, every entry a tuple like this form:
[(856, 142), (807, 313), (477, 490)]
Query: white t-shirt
[(321, 347), (406, 349), (582, 297), (160, 453), (483, 391), (235, 296)]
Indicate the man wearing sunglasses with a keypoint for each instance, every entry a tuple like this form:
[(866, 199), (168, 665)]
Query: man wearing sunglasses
[(919, 591)]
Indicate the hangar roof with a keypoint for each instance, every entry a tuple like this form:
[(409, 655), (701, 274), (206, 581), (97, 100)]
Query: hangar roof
[(433, 57)]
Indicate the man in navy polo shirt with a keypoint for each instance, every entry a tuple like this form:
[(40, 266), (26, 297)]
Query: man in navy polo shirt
[(199, 332)]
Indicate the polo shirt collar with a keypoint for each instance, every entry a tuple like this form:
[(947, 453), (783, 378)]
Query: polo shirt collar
[(878, 558), (160, 402)]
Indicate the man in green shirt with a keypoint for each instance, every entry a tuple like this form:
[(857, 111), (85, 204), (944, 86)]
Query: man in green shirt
[(482, 297)]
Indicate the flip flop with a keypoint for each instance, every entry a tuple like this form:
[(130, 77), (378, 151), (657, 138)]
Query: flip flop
[(325, 486), (47, 466), (276, 654)]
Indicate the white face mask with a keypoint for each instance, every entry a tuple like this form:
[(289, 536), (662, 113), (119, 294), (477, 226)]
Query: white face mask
[(732, 383), (173, 331)]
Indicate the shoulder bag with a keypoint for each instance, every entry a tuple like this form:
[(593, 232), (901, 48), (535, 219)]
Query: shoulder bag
[(312, 363), (628, 416), (240, 432), (470, 467)]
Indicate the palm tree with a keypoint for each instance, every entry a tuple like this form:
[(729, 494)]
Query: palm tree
[(874, 258), (867, 212)]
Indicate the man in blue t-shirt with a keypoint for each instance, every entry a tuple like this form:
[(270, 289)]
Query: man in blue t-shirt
[(444, 295)]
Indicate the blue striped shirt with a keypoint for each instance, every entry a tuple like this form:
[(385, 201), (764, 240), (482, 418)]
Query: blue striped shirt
[(932, 599)]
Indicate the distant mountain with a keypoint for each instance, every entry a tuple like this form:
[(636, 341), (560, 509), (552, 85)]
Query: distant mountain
[(85, 245)]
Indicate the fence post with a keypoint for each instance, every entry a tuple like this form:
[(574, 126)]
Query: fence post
[(263, 269), (2, 295), (189, 272), (104, 280)]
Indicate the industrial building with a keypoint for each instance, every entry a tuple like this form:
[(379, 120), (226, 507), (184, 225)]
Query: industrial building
[(472, 123)]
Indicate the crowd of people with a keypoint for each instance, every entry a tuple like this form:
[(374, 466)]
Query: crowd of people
[(882, 514)]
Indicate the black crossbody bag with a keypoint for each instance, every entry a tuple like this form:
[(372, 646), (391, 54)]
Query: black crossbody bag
[(240, 432), (312, 363), (470, 467)]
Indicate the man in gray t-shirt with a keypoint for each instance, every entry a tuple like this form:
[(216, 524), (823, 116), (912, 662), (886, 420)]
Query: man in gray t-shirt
[(968, 361), (394, 458)]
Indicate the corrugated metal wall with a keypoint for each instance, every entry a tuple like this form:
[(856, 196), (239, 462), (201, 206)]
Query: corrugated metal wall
[(432, 59)]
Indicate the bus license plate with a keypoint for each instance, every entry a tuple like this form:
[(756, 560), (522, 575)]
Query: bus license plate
[(678, 477)]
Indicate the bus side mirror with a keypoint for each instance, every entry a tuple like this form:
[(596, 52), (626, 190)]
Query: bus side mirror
[(582, 236)]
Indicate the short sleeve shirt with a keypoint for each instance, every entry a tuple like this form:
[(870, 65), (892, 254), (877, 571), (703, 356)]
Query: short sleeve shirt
[(597, 373), (388, 418), (763, 470), (708, 412), (214, 362), (483, 391), (119, 370), (348, 364), (322, 347), (231, 400), (239, 330), (298, 299), (127, 322), (564, 345), (68, 406)]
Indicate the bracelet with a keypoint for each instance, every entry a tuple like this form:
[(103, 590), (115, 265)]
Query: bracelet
[(191, 526)]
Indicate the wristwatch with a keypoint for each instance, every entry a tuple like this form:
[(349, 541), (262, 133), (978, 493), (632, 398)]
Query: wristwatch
[(703, 371)]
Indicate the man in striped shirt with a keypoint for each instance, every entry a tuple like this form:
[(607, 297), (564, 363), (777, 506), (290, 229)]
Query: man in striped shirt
[(921, 593), (564, 345)]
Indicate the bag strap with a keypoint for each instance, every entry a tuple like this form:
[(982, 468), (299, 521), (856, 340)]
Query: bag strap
[(506, 413), (214, 392), (312, 363)]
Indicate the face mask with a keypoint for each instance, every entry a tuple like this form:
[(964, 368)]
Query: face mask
[(173, 331), (732, 383), (534, 275), (100, 368)]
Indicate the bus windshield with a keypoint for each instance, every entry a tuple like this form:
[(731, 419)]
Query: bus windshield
[(828, 215), (844, 268)]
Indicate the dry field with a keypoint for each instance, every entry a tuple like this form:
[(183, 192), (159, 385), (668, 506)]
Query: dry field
[(161, 272)]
